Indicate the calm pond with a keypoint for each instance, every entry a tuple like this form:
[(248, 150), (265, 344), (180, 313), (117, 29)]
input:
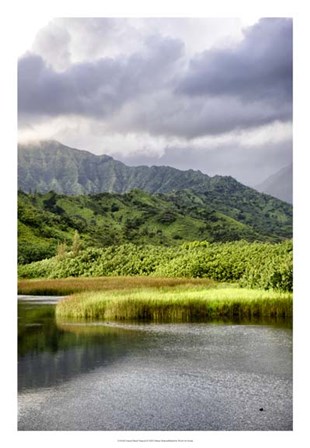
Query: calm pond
[(158, 377)]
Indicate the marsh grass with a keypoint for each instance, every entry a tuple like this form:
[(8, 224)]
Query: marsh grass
[(67, 286), (182, 303)]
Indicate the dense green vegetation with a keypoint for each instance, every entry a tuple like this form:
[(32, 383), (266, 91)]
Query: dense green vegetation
[(185, 206), (151, 243), (254, 265), (181, 304), (48, 222)]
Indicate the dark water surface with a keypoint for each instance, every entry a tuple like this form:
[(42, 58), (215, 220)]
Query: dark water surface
[(170, 377)]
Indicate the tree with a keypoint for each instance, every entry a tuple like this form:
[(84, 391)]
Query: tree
[(76, 243), (61, 251)]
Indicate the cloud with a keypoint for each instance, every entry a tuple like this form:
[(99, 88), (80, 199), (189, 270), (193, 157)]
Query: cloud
[(154, 91), (166, 114), (162, 91), (96, 88), (258, 68), (90, 38), (98, 37), (248, 165), (53, 41)]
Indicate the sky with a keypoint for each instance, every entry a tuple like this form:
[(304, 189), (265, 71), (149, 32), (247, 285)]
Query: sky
[(200, 93)]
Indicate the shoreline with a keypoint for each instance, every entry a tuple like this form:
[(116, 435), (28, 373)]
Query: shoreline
[(38, 299), (148, 299)]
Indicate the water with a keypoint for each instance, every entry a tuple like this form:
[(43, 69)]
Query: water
[(168, 377)]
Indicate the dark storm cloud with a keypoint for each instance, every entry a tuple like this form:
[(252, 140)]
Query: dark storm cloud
[(95, 88), (259, 68)]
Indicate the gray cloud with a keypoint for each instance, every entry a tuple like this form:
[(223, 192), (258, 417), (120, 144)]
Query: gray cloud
[(53, 41), (124, 81), (259, 68), (152, 90), (90, 38), (172, 115), (95, 88)]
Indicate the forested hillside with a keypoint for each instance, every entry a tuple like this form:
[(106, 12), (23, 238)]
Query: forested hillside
[(46, 221)]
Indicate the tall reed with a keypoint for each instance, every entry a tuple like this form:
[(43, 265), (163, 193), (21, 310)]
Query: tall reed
[(180, 304)]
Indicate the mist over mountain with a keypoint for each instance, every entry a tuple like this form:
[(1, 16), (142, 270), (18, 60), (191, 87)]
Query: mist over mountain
[(49, 165), (279, 185)]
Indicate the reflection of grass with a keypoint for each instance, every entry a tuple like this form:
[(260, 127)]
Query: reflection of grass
[(178, 304), (30, 313), (84, 329), (68, 286)]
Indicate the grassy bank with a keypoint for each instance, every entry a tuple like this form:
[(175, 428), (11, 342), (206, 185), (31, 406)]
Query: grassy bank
[(182, 303), (158, 299), (67, 286)]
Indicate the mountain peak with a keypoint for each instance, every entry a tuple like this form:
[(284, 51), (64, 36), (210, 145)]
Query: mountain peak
[(279, 184)]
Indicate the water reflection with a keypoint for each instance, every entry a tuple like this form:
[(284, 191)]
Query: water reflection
[(50, 353), (201, 376)]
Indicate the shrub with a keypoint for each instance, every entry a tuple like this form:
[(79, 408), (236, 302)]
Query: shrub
[(252, 265)]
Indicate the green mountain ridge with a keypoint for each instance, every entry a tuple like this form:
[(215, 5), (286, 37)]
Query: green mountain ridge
[(63, 190), (105, 219), (49, 165)]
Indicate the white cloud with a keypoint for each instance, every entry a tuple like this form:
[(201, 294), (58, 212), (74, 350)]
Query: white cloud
[(95, 136), (73, 40), (27, 31)]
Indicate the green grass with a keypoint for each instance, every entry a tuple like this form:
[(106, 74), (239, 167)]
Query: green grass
[(182, 303), (158, 299)]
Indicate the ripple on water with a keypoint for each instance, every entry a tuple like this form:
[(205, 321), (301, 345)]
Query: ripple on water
[(193, 377)]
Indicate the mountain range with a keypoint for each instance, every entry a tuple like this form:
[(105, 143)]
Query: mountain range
[(63, 190), (50, 166)]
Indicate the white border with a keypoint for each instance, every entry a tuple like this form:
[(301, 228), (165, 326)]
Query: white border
[(14, 15)]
